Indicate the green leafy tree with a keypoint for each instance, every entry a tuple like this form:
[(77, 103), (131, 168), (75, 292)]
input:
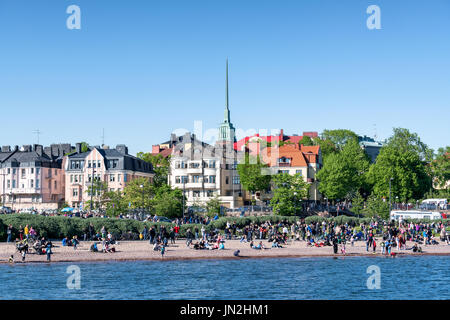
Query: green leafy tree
[(306, 141), (377, 207), (339, 137), (160, 167), (327, 147), (168, 202), (84, 147), (213, 206), (137, 196), (357, 203), (440, 169), (115, 204), (251, 174), (344, 172), (288, 194), (401, 159)]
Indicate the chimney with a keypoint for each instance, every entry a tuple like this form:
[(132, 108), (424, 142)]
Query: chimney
[(39, 149), (6, 149), (173, 139), (16, 148), (156, 148), (281, 133), (78, 147), (26, 148), (122, 149)]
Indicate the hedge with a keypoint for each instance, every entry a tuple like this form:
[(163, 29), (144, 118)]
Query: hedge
[(58, 227)]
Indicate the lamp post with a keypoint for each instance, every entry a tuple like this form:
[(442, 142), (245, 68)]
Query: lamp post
[(390, 203), (143, 201), (92, 185)]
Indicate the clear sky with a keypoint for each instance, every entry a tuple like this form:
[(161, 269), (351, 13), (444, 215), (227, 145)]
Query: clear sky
[(141, 69)]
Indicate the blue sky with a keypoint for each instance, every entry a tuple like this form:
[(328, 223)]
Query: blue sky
[(141, 69)]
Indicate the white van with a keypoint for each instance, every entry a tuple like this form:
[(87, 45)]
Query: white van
[(414, 214)]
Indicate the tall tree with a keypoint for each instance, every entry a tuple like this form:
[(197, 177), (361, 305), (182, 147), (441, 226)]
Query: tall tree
[(339, 137), (344, 173), (160, 167), (251, 174), (288, 194), (401, 159), (306, 141), (440, 169), (139, 197), (168, 202)]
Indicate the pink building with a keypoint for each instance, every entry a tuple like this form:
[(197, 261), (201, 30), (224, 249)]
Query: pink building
[(32, 177), (115, 167)]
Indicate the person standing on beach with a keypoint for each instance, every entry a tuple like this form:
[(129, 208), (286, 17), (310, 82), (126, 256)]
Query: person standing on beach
[(21, 232), (9, 233), (163, 250), (48, 251), (26, 231)]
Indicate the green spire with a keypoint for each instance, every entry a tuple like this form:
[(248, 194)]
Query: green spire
[(227, 109), (226, 129)]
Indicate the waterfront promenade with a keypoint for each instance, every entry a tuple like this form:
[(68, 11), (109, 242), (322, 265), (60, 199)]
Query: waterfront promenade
[(142, 250)]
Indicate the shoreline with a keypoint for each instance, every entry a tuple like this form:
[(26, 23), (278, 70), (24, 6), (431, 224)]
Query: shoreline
[(128, 251)]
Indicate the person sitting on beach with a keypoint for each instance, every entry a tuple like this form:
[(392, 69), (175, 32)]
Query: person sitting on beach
[(94, 247), (196, 246), (221, 246), (156, 246)]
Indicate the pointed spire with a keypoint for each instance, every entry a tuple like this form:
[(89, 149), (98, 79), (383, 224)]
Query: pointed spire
[(227, 109), (226, 88)]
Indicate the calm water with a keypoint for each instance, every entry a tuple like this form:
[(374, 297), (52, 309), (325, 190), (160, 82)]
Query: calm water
[(295, 278)]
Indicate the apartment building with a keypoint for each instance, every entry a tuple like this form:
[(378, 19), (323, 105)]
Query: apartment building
[(32, 176), (115, 167)]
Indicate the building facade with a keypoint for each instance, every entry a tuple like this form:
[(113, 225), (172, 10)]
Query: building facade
[(114, 167), (32, 176)]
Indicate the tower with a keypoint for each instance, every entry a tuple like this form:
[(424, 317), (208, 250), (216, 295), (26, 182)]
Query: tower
[(226, 129)]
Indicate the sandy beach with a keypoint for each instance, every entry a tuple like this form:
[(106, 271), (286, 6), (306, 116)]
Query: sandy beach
[(142, 250)]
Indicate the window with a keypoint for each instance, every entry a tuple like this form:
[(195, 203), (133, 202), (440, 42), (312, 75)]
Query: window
[(177, 179), (98, 164), (23, 173), (38, 171), (212, 179), (32, 170), (14, 184), (184, 179), (227, 180), (31, 183), (49, 184), (299, 171), (196, 194), (236, 180), (9, 184), (14, 171), (37, 183), (177, 165), (119, 177), (9, 170), (89, 164), (112, 178), (195, 179), (283, 171), (75, 192), (125, 177), (76, 178), (209, 193), (71, 178), (56, 184), (113, 163), (212, 163), (194, 165)]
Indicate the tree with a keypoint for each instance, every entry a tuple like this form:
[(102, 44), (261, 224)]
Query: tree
[(326, 146), (160, 167), (84, 147), (357, 203), (377, 207), (339, 137), (344, 172), (251, 175), (137, 196), (213, 206), (401, 159), (168, 202), (306, 141), (98, 190), (440, 169), (288, 194), (115, 204)]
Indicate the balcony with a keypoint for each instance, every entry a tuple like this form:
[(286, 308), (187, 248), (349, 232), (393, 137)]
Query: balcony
[(284, 164), (194, 170)]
